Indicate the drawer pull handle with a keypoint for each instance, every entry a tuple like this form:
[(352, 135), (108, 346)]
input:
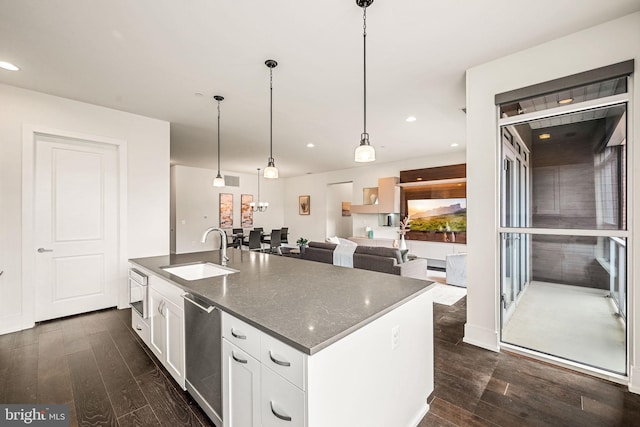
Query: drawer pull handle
[(282, 417), (138, 328), (238, 360), (240, 337), (278, 362)]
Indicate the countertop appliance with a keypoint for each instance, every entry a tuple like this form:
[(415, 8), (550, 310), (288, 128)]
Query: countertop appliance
[(203, 355)]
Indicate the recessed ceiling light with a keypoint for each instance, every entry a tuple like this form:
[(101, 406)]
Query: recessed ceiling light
[(544, 136), (311, 145), (419, 178), (410, 119), (8, 66), (455, 144), (566, 101)]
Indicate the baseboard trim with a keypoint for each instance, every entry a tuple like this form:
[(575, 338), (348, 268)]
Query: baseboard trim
[(634, 380), (481, 337)]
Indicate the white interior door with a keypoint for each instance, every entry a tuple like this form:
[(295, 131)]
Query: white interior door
[(76, 224)]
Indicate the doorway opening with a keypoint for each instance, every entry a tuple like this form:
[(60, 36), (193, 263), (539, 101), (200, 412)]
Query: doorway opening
[(563, 227), (339, 222)]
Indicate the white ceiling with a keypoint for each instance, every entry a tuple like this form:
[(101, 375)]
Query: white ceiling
[(151, 56)]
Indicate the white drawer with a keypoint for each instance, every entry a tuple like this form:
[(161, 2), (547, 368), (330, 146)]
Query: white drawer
[(281, 403), (283, 359), (140, 326), (241, 334), (168, 290)]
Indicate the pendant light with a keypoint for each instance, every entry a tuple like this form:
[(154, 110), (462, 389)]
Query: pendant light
[(260, 206), (271, 171), (218, 181), (365, 152)]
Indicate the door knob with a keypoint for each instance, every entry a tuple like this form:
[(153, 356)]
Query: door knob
[(41, 250)]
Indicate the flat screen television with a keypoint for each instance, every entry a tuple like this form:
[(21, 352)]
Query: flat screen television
[(437, 214)]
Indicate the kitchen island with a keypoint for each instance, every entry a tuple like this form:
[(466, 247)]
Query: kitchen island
[(363, 340)]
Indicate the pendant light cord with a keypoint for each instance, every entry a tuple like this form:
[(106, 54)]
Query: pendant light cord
[(364, 40), (218, 138), (271, 115), (258, 186)]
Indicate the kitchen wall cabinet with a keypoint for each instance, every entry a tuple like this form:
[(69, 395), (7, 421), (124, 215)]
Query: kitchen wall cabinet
[(166, 335)]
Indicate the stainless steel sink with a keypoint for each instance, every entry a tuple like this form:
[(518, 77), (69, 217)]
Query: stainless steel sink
[(197, 271)]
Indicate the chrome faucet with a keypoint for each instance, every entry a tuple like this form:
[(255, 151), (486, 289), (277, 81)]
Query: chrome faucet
[(223, 239)]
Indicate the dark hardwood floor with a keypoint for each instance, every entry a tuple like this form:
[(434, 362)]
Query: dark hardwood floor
[(96, 364), (477, 387)]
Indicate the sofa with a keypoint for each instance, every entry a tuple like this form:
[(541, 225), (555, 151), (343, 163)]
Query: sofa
[(373, 258)]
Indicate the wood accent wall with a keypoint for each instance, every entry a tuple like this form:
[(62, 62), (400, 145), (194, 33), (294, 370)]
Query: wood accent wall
[(434, 174)]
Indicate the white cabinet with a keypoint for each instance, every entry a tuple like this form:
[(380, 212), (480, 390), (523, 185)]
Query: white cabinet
[(363, 379), (166, 335), (157, 322), (140, 327), (281, 403), (263, 379), (175, 341), (241, 390)]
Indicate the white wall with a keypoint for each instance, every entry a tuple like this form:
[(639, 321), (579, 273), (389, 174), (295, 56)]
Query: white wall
[(313, 226), (606, 44), (197, 205), (338, 225), (147, 220)]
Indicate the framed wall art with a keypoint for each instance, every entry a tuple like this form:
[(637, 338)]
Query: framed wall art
[(304, 205), (246, 213), (226, 210)]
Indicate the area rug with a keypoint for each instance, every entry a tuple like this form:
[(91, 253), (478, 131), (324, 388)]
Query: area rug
[(447, 294)]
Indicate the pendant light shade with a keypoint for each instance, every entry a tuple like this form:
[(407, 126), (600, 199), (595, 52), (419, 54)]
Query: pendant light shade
[(218, 181), (271, 171), (364, 152)]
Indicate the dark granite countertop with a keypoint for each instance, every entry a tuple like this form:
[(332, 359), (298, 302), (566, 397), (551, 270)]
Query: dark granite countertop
[(306, 304)]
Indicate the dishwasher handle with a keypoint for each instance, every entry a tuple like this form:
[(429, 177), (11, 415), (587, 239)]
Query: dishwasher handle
[(189, 297)]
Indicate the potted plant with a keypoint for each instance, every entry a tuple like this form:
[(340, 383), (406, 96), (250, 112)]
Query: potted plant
[(302, 244)]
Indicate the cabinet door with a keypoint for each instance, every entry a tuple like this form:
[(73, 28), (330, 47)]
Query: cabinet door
[(282, 403), (157, 322), (174, 352), (240, 388)]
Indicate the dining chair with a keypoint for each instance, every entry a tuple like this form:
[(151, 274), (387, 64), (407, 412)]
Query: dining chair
[(238, 238), (255, 243), (274, 243), (284, 233)]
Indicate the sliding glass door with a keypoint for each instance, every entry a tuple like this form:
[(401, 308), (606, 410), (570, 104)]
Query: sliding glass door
[(563, 227), (514, 262)]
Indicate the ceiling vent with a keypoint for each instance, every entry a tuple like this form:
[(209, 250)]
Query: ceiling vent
[(231, 181)]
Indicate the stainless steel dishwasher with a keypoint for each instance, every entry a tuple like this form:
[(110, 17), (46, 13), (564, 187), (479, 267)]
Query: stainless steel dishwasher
[(203, 354)]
